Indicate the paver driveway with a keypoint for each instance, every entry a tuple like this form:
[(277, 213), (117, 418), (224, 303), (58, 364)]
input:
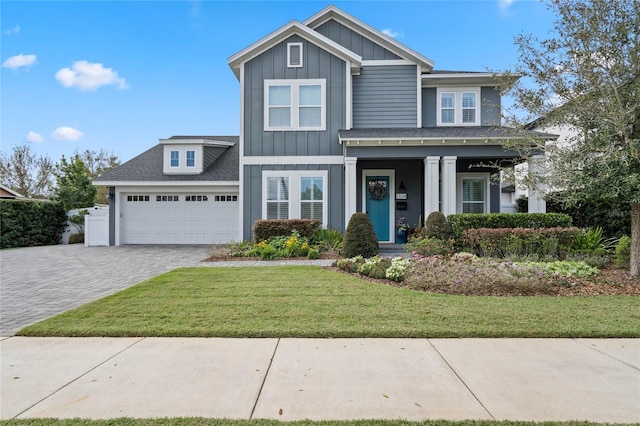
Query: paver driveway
[(39, 282)]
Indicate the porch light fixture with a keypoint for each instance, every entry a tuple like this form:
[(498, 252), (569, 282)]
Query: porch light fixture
[(401, 188)]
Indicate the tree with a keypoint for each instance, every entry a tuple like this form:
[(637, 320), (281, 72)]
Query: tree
[(25, 172), (73, 186), (586, 78), (97, 163)]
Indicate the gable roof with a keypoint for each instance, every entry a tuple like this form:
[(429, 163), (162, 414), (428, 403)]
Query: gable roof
[(148, 167), (286, 31), (6, 192), (332, 12)]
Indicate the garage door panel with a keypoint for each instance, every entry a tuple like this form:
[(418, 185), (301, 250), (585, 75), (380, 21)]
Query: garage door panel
[(179, 222)]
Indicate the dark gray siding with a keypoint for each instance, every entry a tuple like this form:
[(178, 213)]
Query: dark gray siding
[(318, 64), (354, 41), (385, 96), (253, 194), (489, 110), (112, 216), (490, 106), (429, 107)]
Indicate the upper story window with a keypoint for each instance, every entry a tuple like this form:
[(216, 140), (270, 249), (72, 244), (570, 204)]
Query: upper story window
[(175, 158), (294, 55), (191, 158), (294, 105), (459, 107)]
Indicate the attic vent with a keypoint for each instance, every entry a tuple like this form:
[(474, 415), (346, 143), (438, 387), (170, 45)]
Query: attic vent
[(294, 55)]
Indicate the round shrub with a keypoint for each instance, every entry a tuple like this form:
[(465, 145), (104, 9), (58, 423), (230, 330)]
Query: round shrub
[(360, 238), (437, 226)]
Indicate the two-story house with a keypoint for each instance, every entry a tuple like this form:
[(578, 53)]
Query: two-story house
[(336, 118)]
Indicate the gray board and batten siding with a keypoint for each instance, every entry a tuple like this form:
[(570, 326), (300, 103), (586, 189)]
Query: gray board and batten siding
[(355, 42), (272, 64), (490, 106), (385, 96), (253, 193)]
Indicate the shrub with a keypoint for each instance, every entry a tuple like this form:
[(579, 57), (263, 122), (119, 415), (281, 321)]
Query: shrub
[(328, 240), (360, 238), (31, 223), (313, 254), (520, 242), (563, 268), (263, 230), (76, 238), (437, 226), (623, 253), (282, 246), (597, 260), (430, 246), (351, 264), (398, 270), (590, 240), (395, 269), (375, 267), (460, 222)]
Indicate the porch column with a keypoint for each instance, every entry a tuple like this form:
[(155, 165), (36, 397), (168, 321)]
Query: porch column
[(431, 185), (449, 185), (537, 204), (350, 189)]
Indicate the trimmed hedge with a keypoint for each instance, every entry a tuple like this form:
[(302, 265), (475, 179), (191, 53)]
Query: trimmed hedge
[(460, 222), (265, 229), (360, 238), (31, 223), (506, 242)]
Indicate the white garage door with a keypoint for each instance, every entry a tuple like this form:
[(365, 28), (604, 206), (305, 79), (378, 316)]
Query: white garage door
[(197, 218)]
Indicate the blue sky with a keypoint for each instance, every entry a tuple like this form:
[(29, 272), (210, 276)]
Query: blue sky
[(120, 75)]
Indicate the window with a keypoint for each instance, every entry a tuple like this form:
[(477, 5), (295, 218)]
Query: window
[(167, 198), (473, 193), (196, 198), (294, 105), (175, 158), (277, 198), (137, 198), (294, 55), (223, 198), (191, 158), (311, 198), (458, 107), (295, 195)]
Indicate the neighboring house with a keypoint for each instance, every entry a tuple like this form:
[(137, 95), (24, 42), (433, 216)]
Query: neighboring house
[(8, 193), (336, 118)]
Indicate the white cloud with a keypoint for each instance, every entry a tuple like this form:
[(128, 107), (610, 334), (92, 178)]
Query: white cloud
[(89, 76), (66, 133), (34, 137), (391, 33), (14, 30), (196, 7), (18, 61), (504, 6)]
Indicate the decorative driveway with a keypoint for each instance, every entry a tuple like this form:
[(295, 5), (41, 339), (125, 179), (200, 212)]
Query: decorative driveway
[(39, 282)]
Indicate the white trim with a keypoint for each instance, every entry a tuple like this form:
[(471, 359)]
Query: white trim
[(419, 98), (391, 174), (350, 188), (457, 107), (11, 191), (241, 158), (300, 159), (173, 183), (195, 141), (349, 100), (433, 141), (386, 62), (295, 103), (294, 191), (289, 64), (485, 176)]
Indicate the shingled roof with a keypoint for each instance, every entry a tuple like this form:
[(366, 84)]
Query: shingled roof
[(148, 166)]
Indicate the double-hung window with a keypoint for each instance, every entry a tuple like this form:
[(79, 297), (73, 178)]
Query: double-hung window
[(295, 195), (191, 158), (459, 107), (295, 105), (175, 158)]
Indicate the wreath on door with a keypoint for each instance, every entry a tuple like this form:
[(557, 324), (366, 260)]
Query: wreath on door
[(378, 189)]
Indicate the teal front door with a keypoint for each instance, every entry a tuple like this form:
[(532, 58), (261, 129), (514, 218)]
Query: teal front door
[(377, 207)]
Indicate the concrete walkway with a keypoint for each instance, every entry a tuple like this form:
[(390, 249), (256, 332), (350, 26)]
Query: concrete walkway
[(294, 379)]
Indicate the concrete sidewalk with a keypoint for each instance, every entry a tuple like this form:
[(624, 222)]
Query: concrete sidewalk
[(293, 379)]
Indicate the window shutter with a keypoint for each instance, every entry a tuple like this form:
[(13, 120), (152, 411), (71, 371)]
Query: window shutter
[(294, 54)]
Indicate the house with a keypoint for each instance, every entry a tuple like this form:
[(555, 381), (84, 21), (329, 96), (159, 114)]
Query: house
[(336, 118), (8, 193)]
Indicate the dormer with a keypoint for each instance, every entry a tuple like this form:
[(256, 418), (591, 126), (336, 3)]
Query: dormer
[(190, 156)]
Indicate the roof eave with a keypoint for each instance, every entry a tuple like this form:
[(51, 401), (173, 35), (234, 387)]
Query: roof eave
[(293, 27), (332, 12)]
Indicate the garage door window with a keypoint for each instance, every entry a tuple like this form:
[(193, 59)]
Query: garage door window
[(137, 198), (167, 198), (223, 198), (196, 198)]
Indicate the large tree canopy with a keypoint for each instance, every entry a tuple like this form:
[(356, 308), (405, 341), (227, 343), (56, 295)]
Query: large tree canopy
[(73, 185), (25, 172), (585, 79)]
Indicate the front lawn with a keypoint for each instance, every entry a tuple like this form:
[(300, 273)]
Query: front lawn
[(306, 301)]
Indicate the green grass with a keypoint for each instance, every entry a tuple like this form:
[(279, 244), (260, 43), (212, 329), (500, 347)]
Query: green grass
[(300, 301), (226, 422)]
